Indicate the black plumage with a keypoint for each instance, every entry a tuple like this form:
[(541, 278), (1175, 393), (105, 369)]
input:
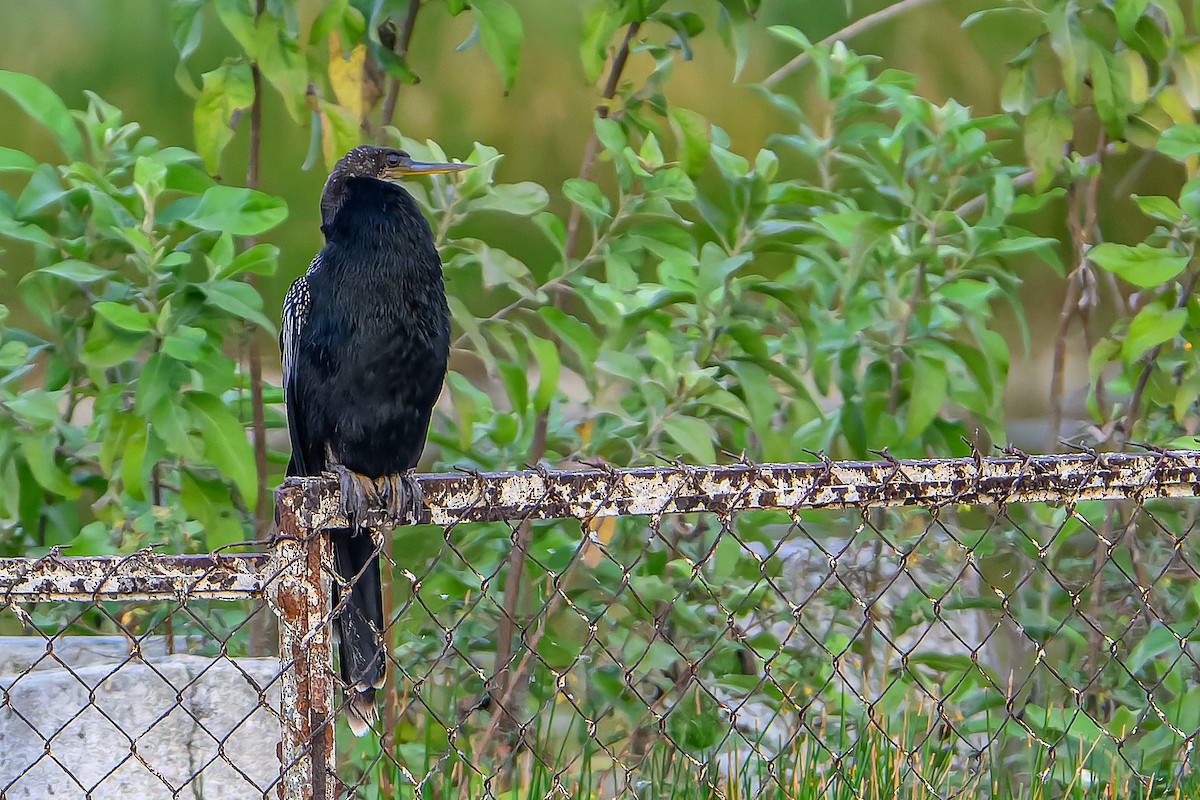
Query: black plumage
[(365, 341)]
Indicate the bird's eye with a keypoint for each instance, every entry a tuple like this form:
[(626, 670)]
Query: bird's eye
[(393, 159)]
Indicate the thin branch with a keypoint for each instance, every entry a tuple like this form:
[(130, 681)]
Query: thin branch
[(391, 699), (506, 682), (902, 338), (510, 684), (593, 143), (1081, 289), (401, 49), (977, 203), (260, 632), (853, 29)]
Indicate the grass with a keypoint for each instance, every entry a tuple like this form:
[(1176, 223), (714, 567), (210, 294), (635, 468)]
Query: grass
[(563, 762)]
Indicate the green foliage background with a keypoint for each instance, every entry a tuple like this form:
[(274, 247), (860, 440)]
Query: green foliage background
[(669, 256)]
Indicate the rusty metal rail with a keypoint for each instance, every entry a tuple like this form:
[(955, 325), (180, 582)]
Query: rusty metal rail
[(588, 493), (144, 575)]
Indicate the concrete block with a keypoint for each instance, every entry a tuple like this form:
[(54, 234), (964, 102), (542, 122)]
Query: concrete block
[(171, 726)]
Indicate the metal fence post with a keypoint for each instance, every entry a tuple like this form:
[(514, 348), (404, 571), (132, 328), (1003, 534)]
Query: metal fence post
[(304, 566)]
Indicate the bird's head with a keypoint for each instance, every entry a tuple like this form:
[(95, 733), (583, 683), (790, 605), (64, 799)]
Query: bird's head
[(386, 164), (380, 163)]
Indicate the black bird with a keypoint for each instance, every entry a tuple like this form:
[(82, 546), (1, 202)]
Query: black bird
[(365, 340)]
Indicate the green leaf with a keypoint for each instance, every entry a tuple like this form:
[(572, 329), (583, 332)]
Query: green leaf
[(695, 436), (36, 406), (133, 459), (125, 317), (38, 101), (94, 539), (207, 501), (1151, 327), (39, 456), (242, 212), (599, 25), (160, 380), (589, 198), (1187, 73), (23, 232), (694, 133), (108, 346), (75, 271), (1127, 13), (1110, 89), (340, 131), (930, 385), (611, 135), (262, 259), (267, 42), (1065, 39), (1019, 91), (1047, 130), (186, 344), (13, 354), (791, 35), (522, 199), (548, 369), (1142, 265), (574, 334), (1180, 141), (224, 91), (1161, 208), (501, 33), (186, 26), (239, 299), (150, 175), (16, 161), (225, 444), (733, 24)]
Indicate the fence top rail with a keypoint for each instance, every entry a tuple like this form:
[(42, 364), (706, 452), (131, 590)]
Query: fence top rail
[(604, 491), (600, 492), (144, 575)]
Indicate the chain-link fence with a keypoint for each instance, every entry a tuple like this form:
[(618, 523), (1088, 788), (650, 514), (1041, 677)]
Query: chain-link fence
[(1011, 627)]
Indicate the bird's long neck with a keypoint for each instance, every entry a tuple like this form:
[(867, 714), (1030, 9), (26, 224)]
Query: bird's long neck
[(380, 226)]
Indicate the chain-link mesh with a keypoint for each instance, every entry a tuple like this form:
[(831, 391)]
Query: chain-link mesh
[(1016, 627), (137, 677)]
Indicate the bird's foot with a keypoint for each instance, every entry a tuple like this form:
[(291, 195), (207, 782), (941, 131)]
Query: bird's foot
[(358, 494), (402, 497)]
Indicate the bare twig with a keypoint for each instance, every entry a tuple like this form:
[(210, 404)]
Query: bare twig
[(1081, 287), (508, 686), (853, 29), (401, 49), (506, 682)]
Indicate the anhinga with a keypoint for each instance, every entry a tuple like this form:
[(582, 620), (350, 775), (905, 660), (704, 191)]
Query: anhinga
[(365, 340)]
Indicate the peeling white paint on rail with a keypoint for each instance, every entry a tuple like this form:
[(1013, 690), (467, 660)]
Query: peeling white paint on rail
[(588, 493), (144, 575), (534, 494)]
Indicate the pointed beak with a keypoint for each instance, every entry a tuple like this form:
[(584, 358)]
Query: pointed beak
[(410, 167)]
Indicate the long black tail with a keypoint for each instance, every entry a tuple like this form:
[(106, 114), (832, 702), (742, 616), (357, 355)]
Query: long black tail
[(358, 617)]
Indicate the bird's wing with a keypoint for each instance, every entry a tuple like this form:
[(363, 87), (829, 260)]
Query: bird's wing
[(295, 312)]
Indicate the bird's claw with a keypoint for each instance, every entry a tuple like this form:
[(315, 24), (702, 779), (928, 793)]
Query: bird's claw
[(358, 494), (398, 499), (402, 497)]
